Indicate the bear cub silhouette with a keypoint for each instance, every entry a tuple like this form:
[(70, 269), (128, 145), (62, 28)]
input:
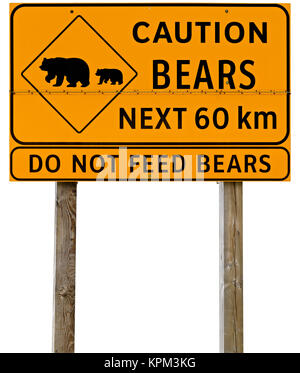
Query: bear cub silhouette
[(114, 75), (74, 69)]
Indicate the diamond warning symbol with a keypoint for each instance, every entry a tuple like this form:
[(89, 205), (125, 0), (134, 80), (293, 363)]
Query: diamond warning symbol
[(89, 74)]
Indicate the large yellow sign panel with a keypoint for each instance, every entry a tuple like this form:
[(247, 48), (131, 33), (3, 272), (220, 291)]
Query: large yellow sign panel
[(150, 92)]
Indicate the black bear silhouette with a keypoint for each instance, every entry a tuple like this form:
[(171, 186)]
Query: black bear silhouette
[(74, 69), (114, 75)]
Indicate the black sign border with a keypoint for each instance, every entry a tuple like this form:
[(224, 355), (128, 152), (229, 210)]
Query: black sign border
[(152, 5), (146, 147)]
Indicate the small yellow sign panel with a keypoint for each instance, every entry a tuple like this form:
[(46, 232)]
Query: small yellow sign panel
[(150, 92)]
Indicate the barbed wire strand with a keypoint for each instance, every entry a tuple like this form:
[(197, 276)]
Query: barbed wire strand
[(153, 92)]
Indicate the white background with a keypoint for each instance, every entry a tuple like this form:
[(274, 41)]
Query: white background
[(147, 256)]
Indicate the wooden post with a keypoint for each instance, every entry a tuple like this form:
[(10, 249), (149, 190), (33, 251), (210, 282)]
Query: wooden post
[(65, 256), (231, 267)]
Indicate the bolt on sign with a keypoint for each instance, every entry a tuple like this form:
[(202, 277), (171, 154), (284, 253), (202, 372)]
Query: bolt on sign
[(150, 92)]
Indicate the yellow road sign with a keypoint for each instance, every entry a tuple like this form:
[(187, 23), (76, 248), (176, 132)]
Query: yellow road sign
[(204, 85)]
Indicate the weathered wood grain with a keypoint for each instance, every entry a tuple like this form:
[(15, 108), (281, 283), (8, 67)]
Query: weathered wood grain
[(65, 257), (231, 267)]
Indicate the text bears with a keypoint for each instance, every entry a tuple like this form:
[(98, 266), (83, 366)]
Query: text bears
[(202, 77)]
